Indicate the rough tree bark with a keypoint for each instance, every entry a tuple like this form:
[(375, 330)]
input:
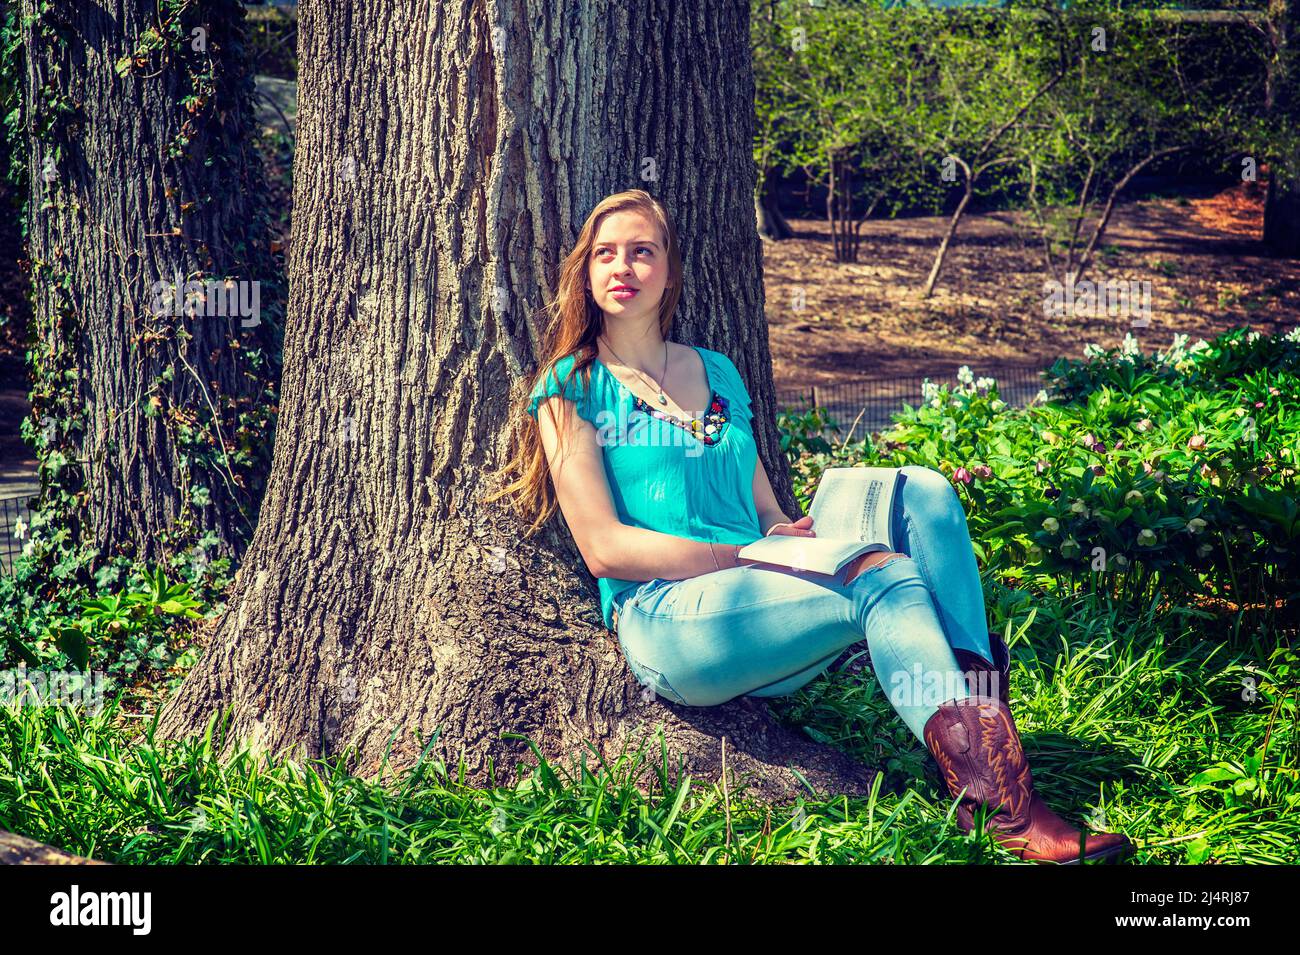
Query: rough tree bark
[(19, 850), (447, 156), (138, 121)]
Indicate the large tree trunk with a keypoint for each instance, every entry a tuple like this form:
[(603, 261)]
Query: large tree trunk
[(140, 169), (1282, 202), (435, 166)]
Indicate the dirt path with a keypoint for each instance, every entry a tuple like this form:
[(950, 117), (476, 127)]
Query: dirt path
[(1201, 254)]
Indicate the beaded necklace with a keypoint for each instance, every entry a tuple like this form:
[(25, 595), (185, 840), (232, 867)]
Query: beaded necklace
[(707, 429)]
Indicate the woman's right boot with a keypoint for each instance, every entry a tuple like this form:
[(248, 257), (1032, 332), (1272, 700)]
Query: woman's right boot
[(977, 747)]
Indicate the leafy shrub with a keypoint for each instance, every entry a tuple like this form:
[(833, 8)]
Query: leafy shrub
[(1132, 471), (117, 632)]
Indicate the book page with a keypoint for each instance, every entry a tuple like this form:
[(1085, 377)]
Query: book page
[(817, 554), (855, 504)]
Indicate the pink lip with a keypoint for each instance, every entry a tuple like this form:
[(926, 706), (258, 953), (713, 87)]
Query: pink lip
[(624, 291)]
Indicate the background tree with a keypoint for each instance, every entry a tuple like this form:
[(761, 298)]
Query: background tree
[(769, 52), (152, 429), (991, 70), (1147, 88), (445, 162), (1282, 110), (833, 80)]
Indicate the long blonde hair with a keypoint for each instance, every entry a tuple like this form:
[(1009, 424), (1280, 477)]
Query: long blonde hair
[(575, 322)]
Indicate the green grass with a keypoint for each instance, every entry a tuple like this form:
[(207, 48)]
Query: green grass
[(1130, 717), (1141, 710)]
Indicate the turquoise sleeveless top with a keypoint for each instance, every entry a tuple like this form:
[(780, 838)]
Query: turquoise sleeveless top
[(689, 479)]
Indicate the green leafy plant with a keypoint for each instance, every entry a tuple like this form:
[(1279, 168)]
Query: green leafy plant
[(1138, 472)]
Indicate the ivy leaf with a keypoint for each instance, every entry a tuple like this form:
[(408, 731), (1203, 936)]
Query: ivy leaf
[(23, 650), (73, 642)]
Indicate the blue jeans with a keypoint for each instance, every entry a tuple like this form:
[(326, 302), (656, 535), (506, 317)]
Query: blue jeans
[(762, 631)]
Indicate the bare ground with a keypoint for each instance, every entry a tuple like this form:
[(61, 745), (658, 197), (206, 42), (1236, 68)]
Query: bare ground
[(1202, 255)]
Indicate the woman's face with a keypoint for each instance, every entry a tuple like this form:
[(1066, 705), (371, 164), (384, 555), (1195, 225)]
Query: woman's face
[(628, 251)]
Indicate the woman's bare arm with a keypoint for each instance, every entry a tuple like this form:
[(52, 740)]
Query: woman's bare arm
[(769, 511), (609, 547)]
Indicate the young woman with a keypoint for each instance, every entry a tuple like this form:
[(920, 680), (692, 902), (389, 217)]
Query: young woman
[(649, 447)]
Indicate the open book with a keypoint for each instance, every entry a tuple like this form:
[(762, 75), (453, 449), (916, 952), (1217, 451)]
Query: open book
[(850, 512)]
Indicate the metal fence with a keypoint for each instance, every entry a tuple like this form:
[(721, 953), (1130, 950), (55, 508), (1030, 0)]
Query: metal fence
[(14, 509), (879, 399)]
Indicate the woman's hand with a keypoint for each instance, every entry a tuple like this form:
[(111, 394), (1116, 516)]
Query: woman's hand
[(799, 528)]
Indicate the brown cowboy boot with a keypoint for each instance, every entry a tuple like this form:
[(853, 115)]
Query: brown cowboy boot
[(982, 677), (978, 749)]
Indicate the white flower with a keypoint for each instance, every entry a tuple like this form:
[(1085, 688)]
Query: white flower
[(1092, 350), (1293, 335), (984, 384), (998, 404), (1201, 345), (1131, 346), (929, 390), (1051, 525), (965, 375), (1251, 336), (1041, 397), (20, 529)]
